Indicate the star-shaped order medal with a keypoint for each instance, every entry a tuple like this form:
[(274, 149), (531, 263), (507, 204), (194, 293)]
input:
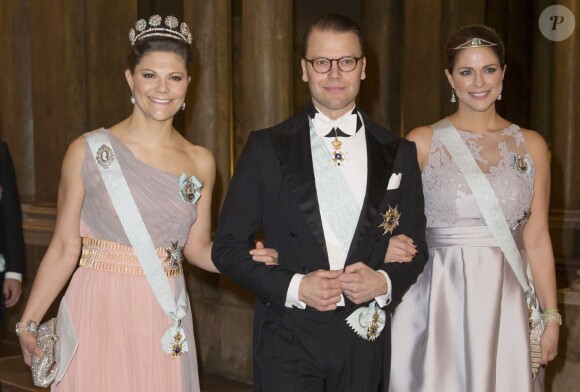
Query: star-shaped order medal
[(174, 255), (390, 220)]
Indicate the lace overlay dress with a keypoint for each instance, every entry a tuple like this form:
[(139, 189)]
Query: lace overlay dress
[(117, 318), (464, 326)]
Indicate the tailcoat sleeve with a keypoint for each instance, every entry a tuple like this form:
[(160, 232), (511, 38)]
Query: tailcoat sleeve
[(240, 220), (411, 223)]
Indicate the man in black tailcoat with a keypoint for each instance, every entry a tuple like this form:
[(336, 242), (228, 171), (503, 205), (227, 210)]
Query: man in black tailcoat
[(328, 187)]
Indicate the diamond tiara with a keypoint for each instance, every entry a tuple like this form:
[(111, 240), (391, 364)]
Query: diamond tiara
[(475, 43), (153, 28)]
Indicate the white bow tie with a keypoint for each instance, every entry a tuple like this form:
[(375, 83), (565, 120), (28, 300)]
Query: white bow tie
[(324, 125)]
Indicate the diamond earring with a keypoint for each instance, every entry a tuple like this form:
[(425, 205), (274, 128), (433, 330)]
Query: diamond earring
[(132, 99), (183, 107), (499, 98), (453, 96)]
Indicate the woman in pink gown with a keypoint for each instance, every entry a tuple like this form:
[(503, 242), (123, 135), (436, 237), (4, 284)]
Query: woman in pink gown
[(464, 325), (114, 311)]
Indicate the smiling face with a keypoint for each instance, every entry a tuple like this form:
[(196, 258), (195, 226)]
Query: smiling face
[(159, 85), (477, 78), (334, 92)]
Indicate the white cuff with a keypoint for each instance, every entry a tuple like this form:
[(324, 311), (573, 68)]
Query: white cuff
[(13, 275), (292, 297), (385, 299)]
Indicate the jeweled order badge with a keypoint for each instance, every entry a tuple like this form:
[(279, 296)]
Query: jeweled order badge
[(390, 220)]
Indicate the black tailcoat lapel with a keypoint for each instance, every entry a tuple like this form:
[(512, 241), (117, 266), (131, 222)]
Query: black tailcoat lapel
[(381, 152), (291, 140)]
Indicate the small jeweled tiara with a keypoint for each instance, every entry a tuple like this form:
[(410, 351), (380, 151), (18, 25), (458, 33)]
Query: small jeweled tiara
[(475, 43), (153, 28)]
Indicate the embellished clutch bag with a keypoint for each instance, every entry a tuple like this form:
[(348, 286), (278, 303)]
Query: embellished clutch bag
[(537, 325), (44, 369)]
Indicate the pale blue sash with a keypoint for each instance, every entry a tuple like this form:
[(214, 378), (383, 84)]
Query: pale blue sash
[(338, 206), (142, 244), (485, 197)]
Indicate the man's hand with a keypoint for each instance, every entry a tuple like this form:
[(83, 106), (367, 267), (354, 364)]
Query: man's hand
[(320, 289), (12, 290), (360, 283)]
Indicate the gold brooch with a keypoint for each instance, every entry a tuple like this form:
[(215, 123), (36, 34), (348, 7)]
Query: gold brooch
[(390, 220), (105, 156)]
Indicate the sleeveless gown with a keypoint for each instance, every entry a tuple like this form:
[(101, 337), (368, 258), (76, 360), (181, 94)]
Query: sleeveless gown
[(116, 316), (464, 325)]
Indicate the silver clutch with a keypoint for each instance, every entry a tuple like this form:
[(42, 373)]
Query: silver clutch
[(44, 369)]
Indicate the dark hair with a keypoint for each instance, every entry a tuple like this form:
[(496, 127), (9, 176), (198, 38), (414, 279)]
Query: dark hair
[(335, 23), (156, 44), (467, 33)]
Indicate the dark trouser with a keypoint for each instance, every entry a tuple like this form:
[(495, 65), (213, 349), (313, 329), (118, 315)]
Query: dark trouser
[(310, 351)]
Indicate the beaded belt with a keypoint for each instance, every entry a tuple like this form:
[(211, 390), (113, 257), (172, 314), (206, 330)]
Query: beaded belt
[(111, 256)]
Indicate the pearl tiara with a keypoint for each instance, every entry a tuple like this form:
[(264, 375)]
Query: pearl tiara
[(153, 28), (475, 43)]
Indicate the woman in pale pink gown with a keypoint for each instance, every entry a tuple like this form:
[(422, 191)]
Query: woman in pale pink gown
[(464, 325), (115, 314)]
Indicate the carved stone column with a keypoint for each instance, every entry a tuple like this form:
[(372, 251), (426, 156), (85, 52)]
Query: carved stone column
[(380, 91), (266, 66), (208, 115), (208, 122), (565, 139), (58, 82), (16, 125)]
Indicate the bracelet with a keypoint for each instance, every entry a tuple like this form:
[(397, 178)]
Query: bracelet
[(553, 317), (30, 326), (551, 310)]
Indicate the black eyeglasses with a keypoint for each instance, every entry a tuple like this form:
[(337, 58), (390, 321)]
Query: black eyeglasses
[(323, 65)]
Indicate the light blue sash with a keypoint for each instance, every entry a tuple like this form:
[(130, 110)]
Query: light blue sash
[(338, 206), (141, 242), (485, 197)]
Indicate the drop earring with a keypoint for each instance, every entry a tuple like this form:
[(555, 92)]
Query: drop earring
[(499, 97), (453, 96), (132, 99), (183, 107)]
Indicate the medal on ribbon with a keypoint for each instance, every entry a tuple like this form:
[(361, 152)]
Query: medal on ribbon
[(367, 322), (189, 189), (337, 154), (521, 164)]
